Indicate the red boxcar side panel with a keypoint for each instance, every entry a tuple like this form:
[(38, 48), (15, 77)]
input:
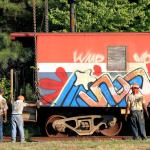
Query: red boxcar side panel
[(73, 68)]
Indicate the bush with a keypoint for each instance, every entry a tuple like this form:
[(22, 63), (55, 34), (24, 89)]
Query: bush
[(5, 84), (28, 92)]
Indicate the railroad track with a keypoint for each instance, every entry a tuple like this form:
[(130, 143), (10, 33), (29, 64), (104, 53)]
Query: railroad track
[(83, 138), (74, 138)]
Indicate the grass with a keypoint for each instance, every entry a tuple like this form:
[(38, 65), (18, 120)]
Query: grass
[(78, 145)]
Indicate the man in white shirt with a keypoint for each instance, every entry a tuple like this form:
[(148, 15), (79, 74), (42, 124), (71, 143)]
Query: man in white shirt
[(136, 105), (3, 113), (17, 118)]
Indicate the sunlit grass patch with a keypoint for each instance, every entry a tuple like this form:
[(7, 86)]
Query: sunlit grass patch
[(77, 145)]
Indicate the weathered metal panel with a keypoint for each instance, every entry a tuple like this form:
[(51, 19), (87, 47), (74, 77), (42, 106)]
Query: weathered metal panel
[(116, 58)]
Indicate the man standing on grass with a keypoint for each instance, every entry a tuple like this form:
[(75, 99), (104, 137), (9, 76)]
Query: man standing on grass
[(17, 118), (135, 105), (3, 113)]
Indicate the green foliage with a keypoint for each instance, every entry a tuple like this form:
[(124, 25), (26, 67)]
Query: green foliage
[(17, 15), (28, 135), (12, 54), (31, 130), (28, 92), (113, 17), (5, 84), (59, 16), (8, 50), (9, 14), (102, 16), (91, 15)]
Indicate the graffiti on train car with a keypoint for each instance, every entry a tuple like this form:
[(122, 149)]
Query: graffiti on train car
[(87, 57), (84, 89), (143, 58)]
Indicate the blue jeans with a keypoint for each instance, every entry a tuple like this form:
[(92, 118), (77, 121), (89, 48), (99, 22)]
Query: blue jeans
[(1, 128), (17, 121), (138, 124)]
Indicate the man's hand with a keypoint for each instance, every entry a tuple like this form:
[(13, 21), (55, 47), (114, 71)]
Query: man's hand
[(38, 104)]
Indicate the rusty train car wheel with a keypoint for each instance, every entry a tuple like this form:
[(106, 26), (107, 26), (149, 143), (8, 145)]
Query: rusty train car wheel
[(112, 130), (48, 127)]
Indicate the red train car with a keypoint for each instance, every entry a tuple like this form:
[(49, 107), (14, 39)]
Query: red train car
[(84, 79)]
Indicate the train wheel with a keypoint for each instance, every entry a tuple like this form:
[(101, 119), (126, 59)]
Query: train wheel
[(48, 127), (112, 130)]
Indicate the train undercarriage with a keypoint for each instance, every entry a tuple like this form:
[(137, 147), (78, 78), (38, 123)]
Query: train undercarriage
[(83, 121), (84, 125), (70, 121)]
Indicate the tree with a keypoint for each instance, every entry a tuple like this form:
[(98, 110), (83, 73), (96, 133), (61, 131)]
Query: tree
[(12, 54), (91, 15), (16, 15), (101, 16)]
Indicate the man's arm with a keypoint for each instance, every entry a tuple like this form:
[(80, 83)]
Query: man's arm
[(5, 116), (128, 108), (5, 108), (32, 105), (145, 108), (127, 111)]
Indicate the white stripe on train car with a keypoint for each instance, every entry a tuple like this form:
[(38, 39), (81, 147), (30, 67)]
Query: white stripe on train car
[(71, 67)]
